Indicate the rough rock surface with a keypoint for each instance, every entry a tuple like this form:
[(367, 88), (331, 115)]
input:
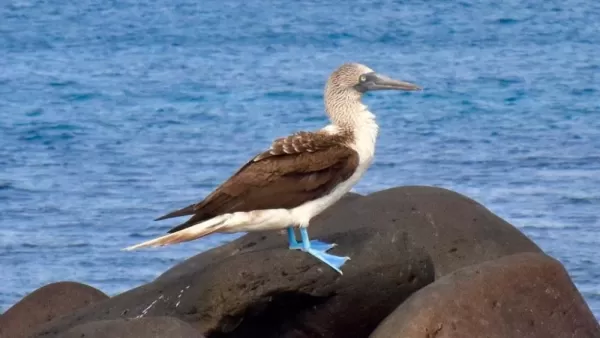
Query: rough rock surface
[(45, 304), (151, 327), (525, 295), (399, 241)]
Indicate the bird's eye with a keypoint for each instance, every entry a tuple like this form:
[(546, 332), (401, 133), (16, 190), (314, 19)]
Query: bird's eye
[(363, 78)]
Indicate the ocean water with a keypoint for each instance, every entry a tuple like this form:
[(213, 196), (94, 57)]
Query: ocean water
[(114, 112)]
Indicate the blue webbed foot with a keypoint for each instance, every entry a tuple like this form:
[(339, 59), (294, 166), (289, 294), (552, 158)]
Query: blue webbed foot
[(317, 249), (315, 244), (335, 262)]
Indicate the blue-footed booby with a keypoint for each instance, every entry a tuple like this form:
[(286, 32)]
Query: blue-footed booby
[(299, 176)]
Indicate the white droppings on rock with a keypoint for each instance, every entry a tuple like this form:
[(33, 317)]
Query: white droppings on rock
[(145, 311), (180, 294)]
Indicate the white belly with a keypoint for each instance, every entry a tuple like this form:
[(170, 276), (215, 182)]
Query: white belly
[(276, 219), (365, 147), (303, 214)]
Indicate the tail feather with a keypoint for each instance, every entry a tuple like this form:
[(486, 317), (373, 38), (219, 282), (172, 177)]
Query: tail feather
[(193, 232), (179, 227), (197, 218), (189, 210)]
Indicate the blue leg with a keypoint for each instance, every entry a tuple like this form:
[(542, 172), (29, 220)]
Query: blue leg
[(292, 239), (333, 261), (294, 245)]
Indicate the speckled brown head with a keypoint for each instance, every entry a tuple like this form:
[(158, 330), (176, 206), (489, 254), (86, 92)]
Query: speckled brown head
[(348, 83)]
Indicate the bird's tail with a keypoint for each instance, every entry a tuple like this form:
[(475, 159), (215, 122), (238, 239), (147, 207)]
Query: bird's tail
[(187, 234)]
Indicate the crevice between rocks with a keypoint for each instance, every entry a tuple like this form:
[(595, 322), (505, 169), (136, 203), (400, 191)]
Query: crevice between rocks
[(272, 316)]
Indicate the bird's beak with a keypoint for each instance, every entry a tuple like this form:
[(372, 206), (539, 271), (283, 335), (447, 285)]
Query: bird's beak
[(374, 81)]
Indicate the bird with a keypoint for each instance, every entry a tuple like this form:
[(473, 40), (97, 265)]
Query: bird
[(298, 176)]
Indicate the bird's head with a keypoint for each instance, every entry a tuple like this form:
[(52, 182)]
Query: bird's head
[(349, 82), (360, 78)]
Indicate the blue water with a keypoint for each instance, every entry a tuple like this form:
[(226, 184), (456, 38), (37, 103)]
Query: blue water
[(114, 112)]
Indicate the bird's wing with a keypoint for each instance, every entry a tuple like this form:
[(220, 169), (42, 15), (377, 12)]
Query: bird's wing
[(296, 169)]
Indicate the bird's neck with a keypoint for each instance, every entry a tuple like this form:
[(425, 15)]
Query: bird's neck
[(347, 112), (351, 117)]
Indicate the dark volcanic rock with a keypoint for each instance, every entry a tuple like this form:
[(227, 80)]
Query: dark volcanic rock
[(525, 295), (45, 304), (398, 239), (455, 230), (151, 327)]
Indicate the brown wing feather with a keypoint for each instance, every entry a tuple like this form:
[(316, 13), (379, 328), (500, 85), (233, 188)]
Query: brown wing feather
[(296, 169), (293, 144)]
